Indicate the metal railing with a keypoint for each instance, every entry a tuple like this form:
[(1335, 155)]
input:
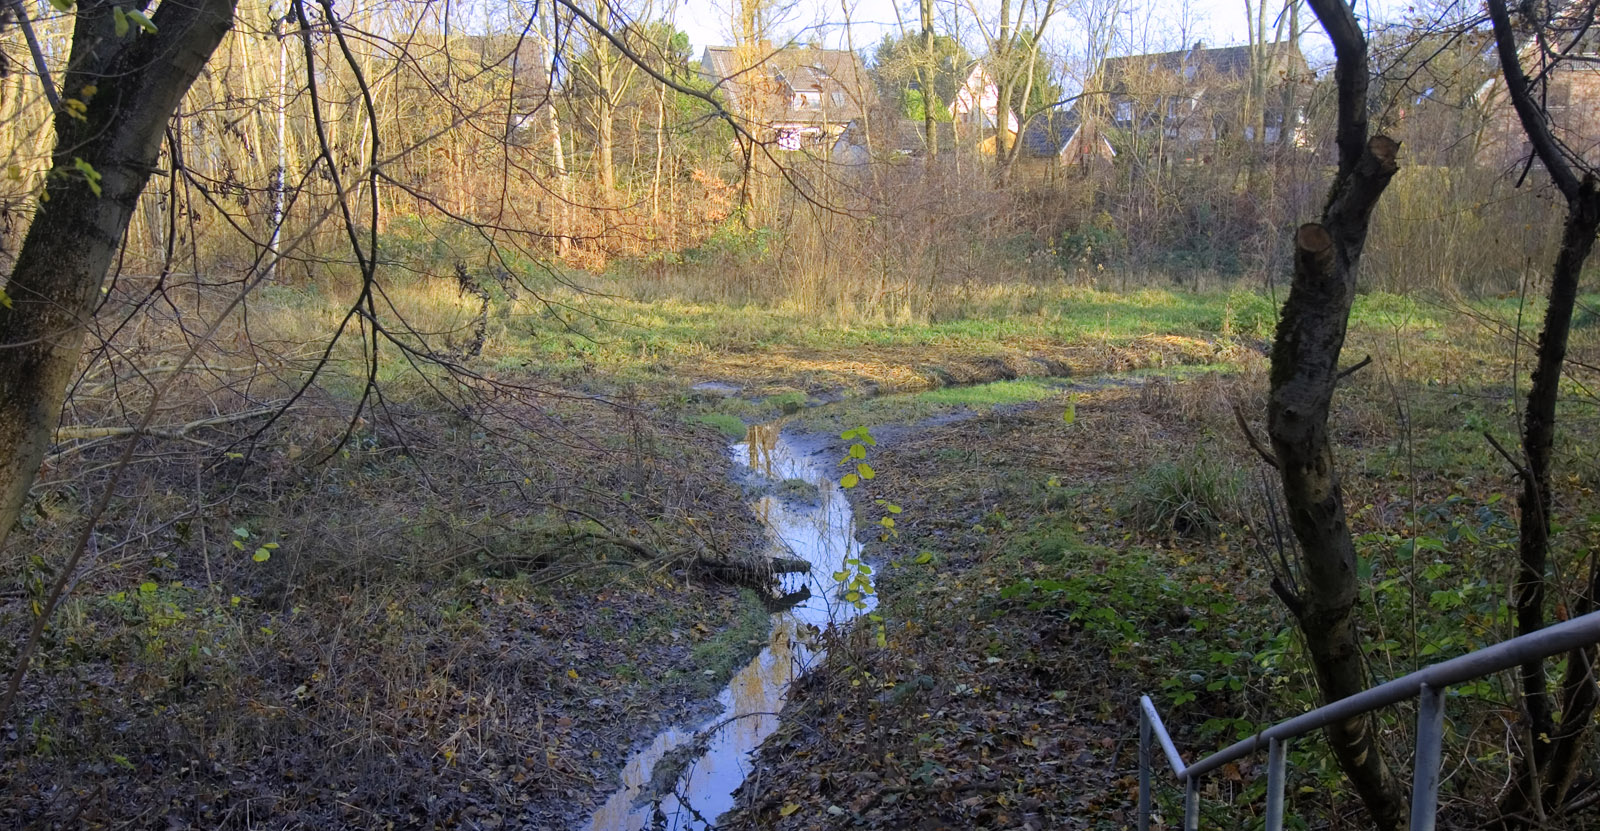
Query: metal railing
[(1427, 684)]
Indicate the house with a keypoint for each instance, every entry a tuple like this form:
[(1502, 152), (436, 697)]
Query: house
[(977, 102), (799, 96), (891, 139), (1571, 96), (1058, 137), (519, 61), (1187, 101)]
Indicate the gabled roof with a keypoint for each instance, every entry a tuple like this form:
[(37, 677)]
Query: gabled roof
[(793, 84), (1048, 132), (1199, 61), (520, 55)]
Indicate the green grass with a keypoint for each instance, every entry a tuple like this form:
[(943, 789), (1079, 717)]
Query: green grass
[(718, 657), (731, 426), (995, 394)]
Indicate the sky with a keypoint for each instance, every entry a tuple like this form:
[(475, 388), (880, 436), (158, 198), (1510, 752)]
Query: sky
[(1160, 23)]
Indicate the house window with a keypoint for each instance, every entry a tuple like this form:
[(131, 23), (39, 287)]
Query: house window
[(1124, 111), (838, 99), (789, 139)]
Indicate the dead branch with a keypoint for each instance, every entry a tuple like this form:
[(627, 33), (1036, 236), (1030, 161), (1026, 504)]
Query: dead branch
[(1343, 373), (1521, 470), (179, 432), (1255, 443)]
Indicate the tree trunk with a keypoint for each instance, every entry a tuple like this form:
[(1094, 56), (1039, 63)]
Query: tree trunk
[(1554, 747), (1545, 771), (1305, 369), (131, 86), (930, 70), (605, 101)]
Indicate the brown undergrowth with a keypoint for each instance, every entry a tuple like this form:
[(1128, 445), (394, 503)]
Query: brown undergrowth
[(443, 622)]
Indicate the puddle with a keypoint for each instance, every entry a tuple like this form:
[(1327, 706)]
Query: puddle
[(820, 531), (718, 388)]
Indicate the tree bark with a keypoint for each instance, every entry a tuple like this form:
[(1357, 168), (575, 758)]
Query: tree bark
[(930, 71), (130, 86), (1545, 772), (1305, 369)]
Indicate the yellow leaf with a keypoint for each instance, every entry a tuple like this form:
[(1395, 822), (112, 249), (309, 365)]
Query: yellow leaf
[(787, 809), (573, 674)]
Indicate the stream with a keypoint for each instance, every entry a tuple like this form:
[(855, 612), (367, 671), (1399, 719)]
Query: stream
[(819, 529)]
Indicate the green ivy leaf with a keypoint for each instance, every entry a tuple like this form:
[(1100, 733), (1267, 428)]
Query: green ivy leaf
[(924, 558), (144, 22), (262, 555), (858, 451), (849, 481), (120, 21), (5, 299), (91, 177), (866, 471), (147, 588)]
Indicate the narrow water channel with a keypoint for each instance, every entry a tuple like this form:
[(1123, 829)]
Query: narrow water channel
[(817, 528)]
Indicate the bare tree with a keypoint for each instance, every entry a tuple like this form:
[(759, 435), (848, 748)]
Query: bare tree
[(119, 92), (1550, 760), (1305, 371)]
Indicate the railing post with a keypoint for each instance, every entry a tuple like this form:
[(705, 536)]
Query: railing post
[(1144, 770), (1425, 773), (1277, 771), (1191, 804)]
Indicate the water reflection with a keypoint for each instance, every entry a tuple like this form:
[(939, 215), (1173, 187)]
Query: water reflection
[(821, 533)]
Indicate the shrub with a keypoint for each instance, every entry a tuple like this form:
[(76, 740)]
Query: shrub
[(1194, 496)]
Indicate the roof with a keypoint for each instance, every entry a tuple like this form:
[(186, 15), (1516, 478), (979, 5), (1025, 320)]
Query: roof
[(801, 84), (1199, 60), (521, 55), (1048, 132), (900, 135)]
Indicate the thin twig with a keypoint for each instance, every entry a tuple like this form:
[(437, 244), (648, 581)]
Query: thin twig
[(1255, 443), (1522, 471), (39, 65), (1352, 370)]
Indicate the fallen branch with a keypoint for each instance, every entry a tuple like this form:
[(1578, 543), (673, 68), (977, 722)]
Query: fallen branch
[(758, 573), (174, 433)]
